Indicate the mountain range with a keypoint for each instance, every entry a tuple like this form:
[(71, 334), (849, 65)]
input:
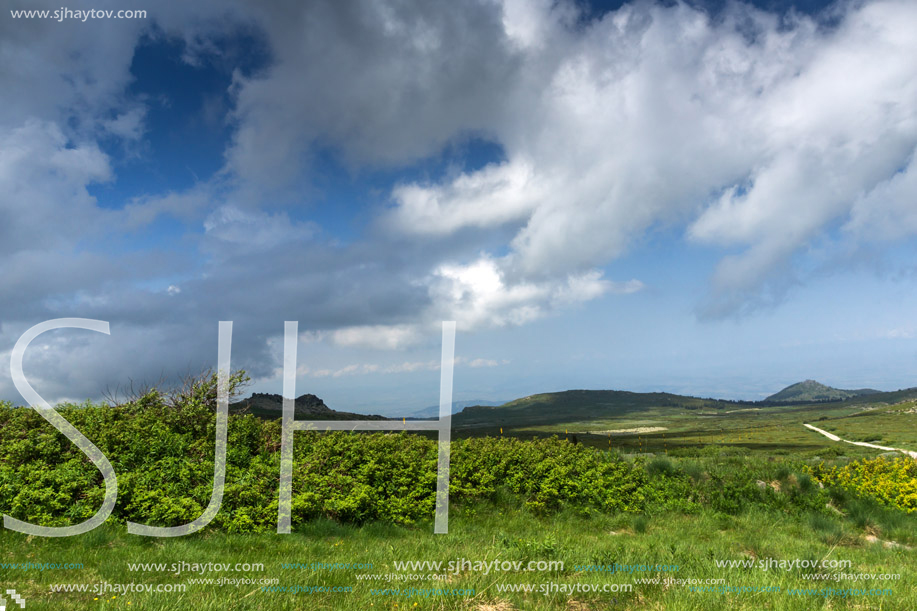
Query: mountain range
[(547, 408)]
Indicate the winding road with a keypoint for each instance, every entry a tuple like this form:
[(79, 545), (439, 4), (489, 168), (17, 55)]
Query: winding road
[(834, 437)]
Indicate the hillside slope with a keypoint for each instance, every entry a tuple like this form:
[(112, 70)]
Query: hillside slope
[(578, 405)]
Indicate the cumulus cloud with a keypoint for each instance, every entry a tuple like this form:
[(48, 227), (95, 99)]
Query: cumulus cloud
[(479, 295), (128, 125), (490, 197), (70, 70), (888, 211), (644, 116), (382, 82)]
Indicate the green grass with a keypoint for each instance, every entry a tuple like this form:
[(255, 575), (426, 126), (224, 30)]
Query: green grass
[(891, 425), (488, 532)]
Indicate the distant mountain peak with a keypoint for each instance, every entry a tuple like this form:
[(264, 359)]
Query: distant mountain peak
[(815, 392)]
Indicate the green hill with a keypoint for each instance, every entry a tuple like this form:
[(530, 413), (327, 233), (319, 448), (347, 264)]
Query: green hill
[(889, 398), (577, 405), (811, 391)]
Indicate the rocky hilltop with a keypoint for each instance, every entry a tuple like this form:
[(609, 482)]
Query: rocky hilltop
[(307, 407)]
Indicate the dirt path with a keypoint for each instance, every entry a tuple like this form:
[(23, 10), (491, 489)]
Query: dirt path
[(834, 437)]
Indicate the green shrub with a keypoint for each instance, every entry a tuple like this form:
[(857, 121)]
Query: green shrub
[(161, 445)]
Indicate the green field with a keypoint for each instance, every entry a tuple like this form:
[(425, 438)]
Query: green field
[(687, 426)]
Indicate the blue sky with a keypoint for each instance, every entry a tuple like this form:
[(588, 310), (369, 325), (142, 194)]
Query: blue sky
[(709, 198)]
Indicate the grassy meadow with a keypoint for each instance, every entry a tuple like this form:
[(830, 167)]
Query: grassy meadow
[(692, 542)]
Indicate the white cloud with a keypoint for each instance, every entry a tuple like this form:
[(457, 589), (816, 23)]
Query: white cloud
[(489, 197), (888, 211), (254, 230), (57, 71), (128, 125), (483, 363), (388, 337), (536, 24), (411, 366), (355, 369), (44, 175), (188, 205), (841, 127), (479, 295)]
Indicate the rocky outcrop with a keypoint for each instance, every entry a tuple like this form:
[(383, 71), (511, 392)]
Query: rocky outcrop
[(307, 407)]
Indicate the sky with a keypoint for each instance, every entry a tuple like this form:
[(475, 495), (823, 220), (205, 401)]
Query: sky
[(709, 198)]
